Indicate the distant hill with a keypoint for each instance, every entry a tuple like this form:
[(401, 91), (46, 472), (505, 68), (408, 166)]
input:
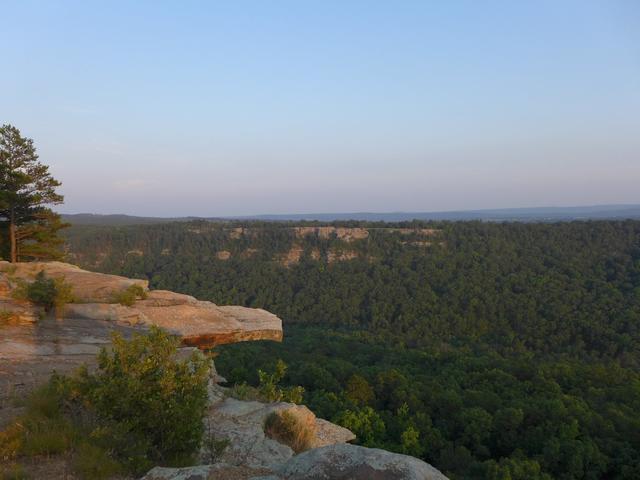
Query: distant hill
[(536, 214), (119, 219)]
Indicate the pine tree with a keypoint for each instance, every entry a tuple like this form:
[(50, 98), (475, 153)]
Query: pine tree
[(26, 188)]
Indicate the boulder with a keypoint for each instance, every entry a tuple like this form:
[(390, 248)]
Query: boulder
[(328, 433), (219, 471), (352, 462), (335, 462), (242, 423)]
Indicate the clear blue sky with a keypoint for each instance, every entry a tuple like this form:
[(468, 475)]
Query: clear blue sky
[(226, 108)]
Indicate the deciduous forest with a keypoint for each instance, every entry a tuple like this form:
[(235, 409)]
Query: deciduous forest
[(499, 351)]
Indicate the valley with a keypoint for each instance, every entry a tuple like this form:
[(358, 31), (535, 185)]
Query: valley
[(489, 350)]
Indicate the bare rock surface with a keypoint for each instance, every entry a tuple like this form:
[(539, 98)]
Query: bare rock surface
[(87, 286), (242, 423), (219, 471), (352, 462), (199, 323), (328, 433), (334, 462), (33, 345)]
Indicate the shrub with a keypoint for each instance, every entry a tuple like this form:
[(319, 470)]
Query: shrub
[(366, 423), (93, 463), (9, 269), (13, 472), (269, 382), (287, 428), (47, 292), (42, 291), (5, 316), (154, 399), (214, 447), (293, 394), (10, 442), (243, 391), (129, 295), (64, 295), (269, 389), (141, 407), (47, 437), (42, 430)]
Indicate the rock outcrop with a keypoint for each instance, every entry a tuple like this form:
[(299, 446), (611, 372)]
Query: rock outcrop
[(87, 286), (242, 423), (344, 461), (32, 344), (218, 471), (198, 323), (334, 462)]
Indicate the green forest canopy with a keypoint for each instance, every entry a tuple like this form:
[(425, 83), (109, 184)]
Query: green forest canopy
[(498, 351)]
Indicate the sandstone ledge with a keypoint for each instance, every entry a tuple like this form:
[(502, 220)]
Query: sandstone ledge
[(198, 323), (33, 345)]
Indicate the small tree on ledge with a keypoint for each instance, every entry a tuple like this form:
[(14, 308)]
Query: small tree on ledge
[(28, 228)]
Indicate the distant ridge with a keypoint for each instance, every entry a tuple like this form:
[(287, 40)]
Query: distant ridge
[(535, 214), (119, 219)]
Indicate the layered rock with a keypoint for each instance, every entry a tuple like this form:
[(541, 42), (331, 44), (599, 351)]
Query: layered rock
[(33, 344), (86, 286), (198, 323)]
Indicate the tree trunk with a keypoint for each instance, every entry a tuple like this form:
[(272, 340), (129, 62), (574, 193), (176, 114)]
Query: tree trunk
[(12, 238)]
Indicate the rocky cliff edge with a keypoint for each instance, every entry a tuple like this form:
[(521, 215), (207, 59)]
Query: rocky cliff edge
[(33, 345)]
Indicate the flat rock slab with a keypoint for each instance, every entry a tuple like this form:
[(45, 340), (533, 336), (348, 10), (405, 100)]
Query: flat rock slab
[(204, 472), (86, 286), (199, 323), (335, 462), (352, 462)]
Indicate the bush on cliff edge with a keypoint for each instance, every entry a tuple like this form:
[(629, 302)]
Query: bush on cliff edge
[(141, 407), (153, 402)]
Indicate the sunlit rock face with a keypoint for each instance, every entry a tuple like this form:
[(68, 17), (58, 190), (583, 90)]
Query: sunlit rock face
[(87, 286), (33, 344), (198, 323)]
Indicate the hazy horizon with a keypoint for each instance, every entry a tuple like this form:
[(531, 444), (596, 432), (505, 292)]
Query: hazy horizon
[(159, 109), (608, 211)]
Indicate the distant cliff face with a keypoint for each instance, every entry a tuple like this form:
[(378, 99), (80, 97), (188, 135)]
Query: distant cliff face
[(286, 245)]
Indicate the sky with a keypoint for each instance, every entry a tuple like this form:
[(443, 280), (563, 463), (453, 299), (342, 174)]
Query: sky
[(239, 108)]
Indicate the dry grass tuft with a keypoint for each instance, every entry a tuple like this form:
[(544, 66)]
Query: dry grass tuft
[(287, 428)]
